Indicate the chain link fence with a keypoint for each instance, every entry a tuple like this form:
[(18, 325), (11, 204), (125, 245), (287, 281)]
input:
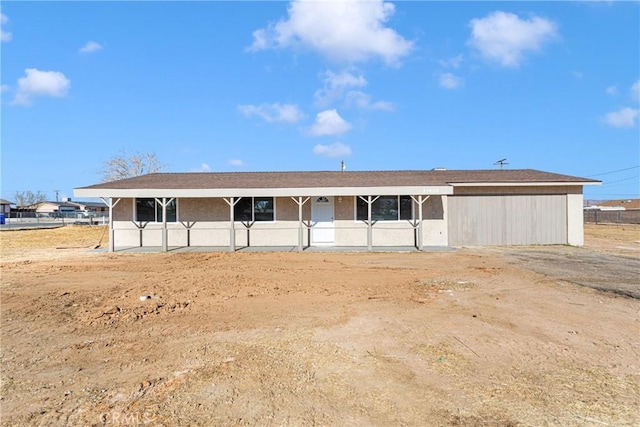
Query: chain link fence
[(20, 220), (597, 216)]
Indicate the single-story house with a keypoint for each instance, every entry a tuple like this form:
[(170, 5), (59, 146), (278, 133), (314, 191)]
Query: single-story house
[(364, 209), (625, 204), (68, 207), (52, 208), (93, 208), (5, 206)]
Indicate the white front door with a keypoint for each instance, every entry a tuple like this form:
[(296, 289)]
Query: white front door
[(322, 232)]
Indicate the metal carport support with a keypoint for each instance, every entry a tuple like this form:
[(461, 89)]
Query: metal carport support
[(111, 204), (300, 204)]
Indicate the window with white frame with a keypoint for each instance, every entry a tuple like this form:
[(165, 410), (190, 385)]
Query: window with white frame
[(149, 210), (249, 209), (385, 208)]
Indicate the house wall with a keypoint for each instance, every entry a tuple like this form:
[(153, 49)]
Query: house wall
[(434, 215), (472, 216), (46, 207), (208, 220), (575, 219)]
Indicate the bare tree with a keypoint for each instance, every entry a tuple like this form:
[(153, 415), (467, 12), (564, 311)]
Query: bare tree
[(126, 166), (27, 199)]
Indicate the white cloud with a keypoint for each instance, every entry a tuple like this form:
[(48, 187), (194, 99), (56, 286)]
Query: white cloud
[(204, 167), (339, 86), (337, 149), (329, 122), (90, 47), (363, 101), (335, 86), (5, 88), (342, 31), (623, 118), (635, 91), (41, 83), (235, 162), (283, 113), (450, 81), (454, 62), (612, 90), (5, 36), (505, 38)]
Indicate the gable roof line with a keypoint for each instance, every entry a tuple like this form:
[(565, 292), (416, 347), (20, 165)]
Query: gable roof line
[(215, 184)]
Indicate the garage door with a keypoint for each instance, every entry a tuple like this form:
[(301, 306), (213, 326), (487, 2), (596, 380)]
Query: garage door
[(507, 220)]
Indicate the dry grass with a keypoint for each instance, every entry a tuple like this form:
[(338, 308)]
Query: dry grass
[(623, 233), (621, 239), (70, 236)]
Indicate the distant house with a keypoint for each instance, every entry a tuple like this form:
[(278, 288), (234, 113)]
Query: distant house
[(93, 208), (5, 206), (625, 211), (358, 209), (53, 208), (68, 208), (625, 204)]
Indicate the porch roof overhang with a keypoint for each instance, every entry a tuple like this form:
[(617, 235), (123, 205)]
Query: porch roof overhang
[(263, 192)]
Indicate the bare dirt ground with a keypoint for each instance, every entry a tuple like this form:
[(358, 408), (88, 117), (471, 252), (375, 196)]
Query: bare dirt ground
[(474, 337)]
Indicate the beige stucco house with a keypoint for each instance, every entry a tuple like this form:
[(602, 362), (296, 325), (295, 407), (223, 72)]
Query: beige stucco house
[(356, 209)]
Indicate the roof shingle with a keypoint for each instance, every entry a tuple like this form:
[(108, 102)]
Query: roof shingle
[(321, 179)]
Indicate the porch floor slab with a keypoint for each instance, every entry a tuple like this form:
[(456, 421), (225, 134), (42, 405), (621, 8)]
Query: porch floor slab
[(201, 249)]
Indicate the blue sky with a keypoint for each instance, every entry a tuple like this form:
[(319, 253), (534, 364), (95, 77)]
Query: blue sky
[(270, 86)]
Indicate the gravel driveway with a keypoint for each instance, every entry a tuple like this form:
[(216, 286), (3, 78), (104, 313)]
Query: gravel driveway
[(582, 266)]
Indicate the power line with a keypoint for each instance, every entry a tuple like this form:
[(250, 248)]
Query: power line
[(619, 180), (619, 170)]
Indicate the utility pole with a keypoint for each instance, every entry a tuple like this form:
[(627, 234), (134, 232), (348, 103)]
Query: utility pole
[(57, 192)]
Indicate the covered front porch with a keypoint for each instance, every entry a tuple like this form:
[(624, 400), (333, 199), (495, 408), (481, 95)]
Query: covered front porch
[(303, 223)]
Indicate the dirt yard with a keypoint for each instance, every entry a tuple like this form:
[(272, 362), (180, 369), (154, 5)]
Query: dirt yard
[(472, 337)]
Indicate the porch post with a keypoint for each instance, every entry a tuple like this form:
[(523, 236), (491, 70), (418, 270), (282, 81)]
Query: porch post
[(369, 201), (420, 226), (232, 226), (164, 203), (111, 204), (165, 245), (112, 234), (300, 203), (369, 225), (420, 201), (232, 201)]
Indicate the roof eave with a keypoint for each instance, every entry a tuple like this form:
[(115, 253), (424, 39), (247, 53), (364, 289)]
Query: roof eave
[(524, 184), (262, 192)]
